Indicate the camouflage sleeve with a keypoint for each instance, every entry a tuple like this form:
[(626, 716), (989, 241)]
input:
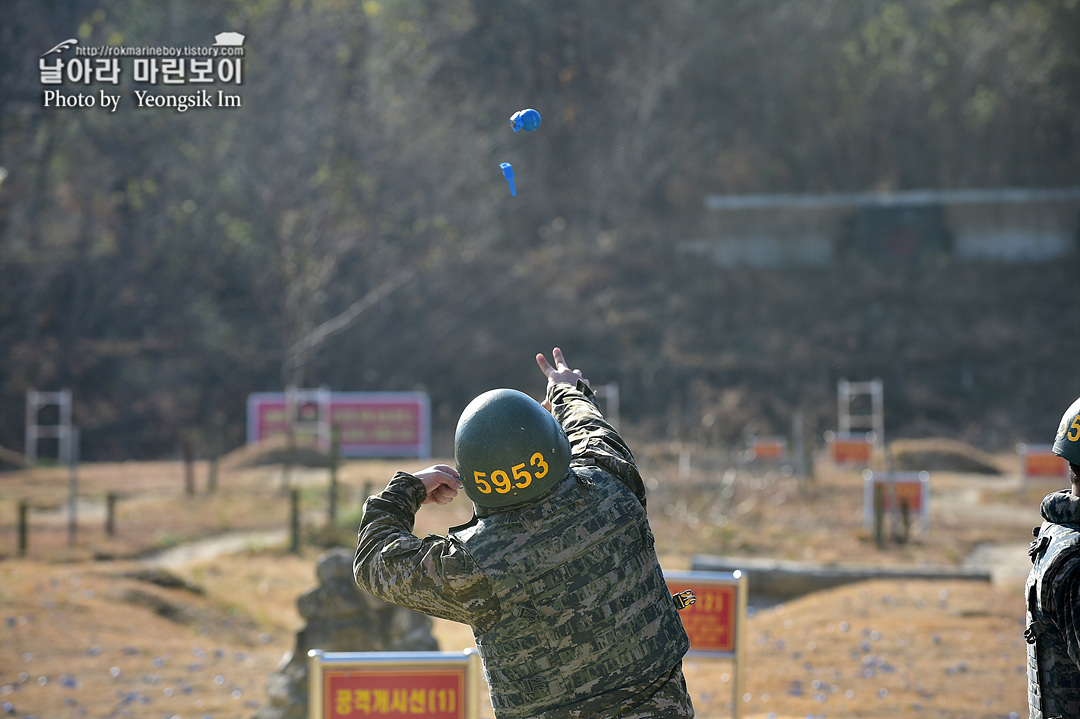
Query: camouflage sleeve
[(433, 575), (665, 696), (1065, 601), (592, 439)]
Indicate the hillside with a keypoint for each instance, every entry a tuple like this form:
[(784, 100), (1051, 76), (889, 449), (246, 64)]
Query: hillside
[(347, 223), (976, 352), (981, 353)]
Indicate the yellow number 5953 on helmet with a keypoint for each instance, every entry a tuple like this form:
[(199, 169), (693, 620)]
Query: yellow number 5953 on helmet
[(509, 449)]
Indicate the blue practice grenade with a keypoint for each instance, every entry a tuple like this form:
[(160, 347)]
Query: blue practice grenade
[(527, 120), (508, 173)]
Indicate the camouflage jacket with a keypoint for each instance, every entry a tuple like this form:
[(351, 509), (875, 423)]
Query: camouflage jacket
[(438, 575), (1053, 610)]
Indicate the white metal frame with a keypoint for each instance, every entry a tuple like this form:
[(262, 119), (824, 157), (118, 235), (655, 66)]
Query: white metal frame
[(35, 402), (890, 480), (294, 399), (846, 392)]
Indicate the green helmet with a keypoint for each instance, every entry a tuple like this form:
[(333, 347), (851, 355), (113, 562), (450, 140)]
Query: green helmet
[(1067, 442), (509, 449)]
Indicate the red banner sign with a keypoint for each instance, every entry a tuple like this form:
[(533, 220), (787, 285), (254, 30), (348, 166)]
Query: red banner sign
[(851, 449), (1040, 461), (712, 621), (896, 491), (393, 685), (903, 493), (767, 448), (383, 424)]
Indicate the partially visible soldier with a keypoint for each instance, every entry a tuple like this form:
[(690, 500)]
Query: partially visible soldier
[(1053, 590), (556, 572)]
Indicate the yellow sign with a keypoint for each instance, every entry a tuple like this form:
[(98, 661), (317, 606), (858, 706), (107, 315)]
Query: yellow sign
[(393, 685), (715, 620)]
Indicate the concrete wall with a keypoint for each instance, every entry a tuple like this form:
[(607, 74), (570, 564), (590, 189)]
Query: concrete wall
[(1015, 232), (1008, 225)]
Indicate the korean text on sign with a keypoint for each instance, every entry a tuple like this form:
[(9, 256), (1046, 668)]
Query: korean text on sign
[(400, 695)]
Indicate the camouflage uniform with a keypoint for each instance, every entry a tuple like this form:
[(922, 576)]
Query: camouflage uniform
[(1053, 610), (564, 594)]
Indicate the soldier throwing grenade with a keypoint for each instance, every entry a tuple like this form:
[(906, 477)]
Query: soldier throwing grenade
[(1053, 590), (556, 572)]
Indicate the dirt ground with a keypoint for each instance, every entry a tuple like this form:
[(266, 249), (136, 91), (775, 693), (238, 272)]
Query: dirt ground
[(103, 629)]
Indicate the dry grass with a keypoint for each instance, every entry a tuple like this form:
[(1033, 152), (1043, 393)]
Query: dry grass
[(84, 638), (880, 649)]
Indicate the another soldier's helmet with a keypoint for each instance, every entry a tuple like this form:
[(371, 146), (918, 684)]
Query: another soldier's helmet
[(509, 449), (1067, 442)]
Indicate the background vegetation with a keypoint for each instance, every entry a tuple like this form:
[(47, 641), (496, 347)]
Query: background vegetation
[(349, 226)]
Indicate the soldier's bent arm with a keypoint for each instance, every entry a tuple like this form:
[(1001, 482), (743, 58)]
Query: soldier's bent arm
[(433, 575), (592, 439)]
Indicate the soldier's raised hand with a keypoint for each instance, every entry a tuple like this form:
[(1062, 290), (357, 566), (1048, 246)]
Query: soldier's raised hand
[(559, 374)]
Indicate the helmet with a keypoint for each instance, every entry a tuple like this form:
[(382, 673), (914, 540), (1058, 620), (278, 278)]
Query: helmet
[(509, 449), (1067, 442)]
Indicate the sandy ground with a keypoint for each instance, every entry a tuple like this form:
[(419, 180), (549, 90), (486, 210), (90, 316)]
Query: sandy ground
[(90, 636)]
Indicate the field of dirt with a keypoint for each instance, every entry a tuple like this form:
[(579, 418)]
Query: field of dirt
[(131, 625)]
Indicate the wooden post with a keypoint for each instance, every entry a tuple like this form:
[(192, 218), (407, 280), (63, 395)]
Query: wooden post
[(879, 515), (216, 449), (73, 484), (211, 477), (905, 520), (798, 438), (189, 466), (110, 514), (331, 510), (294, 521), (286, 468), (24, 511)]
